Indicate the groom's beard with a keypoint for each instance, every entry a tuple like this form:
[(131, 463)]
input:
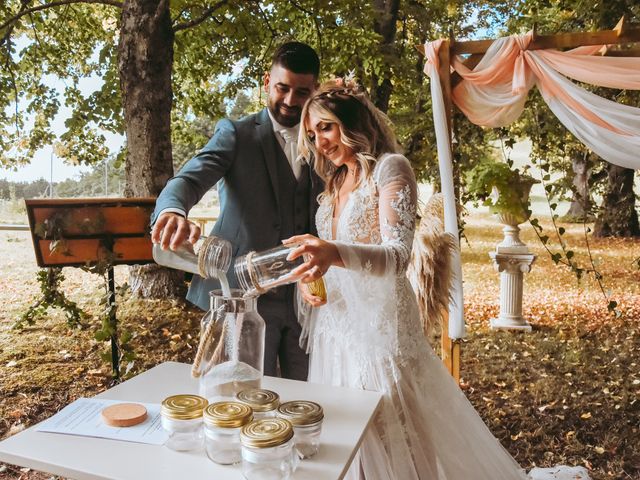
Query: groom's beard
[(285, 116)]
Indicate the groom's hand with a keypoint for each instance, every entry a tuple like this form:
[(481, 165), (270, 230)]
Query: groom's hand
[(171, 230)]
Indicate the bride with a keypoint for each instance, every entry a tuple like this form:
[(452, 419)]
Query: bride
[(368, 335)]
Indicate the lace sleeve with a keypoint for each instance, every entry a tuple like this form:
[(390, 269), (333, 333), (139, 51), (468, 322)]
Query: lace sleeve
[(397, 197)]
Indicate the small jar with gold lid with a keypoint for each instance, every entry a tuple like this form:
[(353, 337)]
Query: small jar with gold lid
[(263, 402), (306, 418), (267, 450), (222, 424), (182, 419)]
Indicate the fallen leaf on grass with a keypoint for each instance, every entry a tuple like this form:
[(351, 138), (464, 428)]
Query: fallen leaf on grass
[(16, 414), (17, 428)]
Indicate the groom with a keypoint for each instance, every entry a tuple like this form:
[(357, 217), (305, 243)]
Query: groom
[(266, 195)]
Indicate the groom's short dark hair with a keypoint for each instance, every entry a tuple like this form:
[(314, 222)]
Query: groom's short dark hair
[(297, 57)]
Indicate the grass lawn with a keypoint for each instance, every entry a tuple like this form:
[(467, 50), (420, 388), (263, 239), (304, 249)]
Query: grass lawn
[(566, 393)]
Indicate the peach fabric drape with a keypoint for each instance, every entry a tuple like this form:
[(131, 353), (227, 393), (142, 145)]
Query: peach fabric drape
[(493, 94)]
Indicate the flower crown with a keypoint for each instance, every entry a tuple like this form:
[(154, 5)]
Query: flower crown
[(348, 81), (345, 85)]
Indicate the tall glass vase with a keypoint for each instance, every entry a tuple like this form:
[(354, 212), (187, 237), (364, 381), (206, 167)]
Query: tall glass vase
[(231, 352)]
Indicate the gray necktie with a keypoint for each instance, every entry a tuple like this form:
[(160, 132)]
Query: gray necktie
[(291, 151)]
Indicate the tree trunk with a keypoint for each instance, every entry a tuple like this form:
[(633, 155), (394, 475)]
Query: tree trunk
[(581, 202), (618, 216), (386, 16), (145, 62)]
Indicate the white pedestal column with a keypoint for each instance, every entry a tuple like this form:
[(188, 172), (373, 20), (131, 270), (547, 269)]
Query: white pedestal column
[(512, 259), (511, 267)]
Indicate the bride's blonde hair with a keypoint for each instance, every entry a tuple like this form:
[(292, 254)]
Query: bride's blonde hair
[(363, 128)]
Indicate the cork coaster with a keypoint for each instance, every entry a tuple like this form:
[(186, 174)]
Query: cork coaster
[(124, 414)]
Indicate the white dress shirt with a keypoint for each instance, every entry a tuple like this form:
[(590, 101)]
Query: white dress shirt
[(288, 140)]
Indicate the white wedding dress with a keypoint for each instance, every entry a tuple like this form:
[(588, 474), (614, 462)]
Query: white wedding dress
[(369, 336)]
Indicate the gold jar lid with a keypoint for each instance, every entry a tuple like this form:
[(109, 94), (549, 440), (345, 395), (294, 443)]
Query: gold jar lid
[(183, 407), (269, 432), (301, 412), (227, 414), (259, 399)]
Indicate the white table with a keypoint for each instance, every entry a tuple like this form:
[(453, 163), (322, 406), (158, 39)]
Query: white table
[(347, 415)]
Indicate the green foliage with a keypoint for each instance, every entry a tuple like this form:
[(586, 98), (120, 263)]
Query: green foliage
[(16, 191), (73, 42), (214, 60), (86, 184), (114, 339), (50, 280), (92, 183), (512, 188)]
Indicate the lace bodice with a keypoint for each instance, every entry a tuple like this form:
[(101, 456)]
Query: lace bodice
[(375, 230), (371, 306)]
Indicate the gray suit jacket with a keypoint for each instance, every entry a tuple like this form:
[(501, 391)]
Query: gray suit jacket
[(241, 158)]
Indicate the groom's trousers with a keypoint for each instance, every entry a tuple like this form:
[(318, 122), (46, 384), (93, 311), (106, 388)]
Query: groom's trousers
[(282, 336)]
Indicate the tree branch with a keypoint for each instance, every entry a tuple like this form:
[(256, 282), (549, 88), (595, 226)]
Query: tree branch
[(15, 90), (316, 23), (266, 20), (58, 3), (205, 15), (42, 51)]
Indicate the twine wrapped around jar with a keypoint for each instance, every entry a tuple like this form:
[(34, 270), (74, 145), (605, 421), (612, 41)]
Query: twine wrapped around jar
[(205, 340)]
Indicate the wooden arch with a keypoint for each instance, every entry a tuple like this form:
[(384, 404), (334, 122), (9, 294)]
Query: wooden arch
[(622, 34)]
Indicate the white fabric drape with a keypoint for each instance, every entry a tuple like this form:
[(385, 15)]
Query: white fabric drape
[(617, 141), (456, 307)]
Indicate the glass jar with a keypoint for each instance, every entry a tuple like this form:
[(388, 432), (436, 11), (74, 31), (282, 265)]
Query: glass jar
[(262, 402), (212, 260), (267, 450), (306, 418), (182, 419), (258, 272), (222, 424), (230, 355)]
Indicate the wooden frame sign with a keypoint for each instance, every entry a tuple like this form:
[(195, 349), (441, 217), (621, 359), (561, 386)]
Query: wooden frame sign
[(93, 232), (90, 231)]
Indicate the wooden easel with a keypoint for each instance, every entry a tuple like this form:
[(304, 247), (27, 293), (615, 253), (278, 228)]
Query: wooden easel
[(94, 230), (476, 49)]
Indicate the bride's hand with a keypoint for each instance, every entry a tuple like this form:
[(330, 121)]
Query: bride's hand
[(319, 256), (308, 297)]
